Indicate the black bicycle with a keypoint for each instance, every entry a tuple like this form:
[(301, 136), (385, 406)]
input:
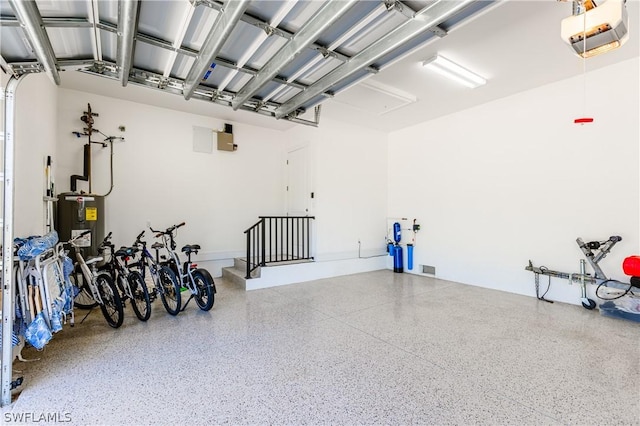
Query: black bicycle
[(165, 282), (130, 282)]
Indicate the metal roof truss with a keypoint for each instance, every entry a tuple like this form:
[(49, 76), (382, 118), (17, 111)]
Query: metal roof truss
[(278, 58)]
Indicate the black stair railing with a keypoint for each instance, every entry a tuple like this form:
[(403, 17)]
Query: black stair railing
[(275, 239)]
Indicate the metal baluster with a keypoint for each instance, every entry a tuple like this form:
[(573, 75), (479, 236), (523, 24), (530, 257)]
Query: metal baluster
[(263, 246)]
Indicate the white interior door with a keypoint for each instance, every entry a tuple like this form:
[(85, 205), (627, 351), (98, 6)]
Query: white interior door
[(298, 194)]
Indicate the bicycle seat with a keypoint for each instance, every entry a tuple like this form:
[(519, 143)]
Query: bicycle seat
[(191, 248), (124, 251), (93, 260), (157, 246)]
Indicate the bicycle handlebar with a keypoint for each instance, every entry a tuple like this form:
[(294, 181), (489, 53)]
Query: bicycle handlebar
[(169, 230), (106, 242), (138, 240), (82, 234)]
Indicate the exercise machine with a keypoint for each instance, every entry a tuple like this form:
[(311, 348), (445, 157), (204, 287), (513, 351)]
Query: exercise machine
[(594, 252)]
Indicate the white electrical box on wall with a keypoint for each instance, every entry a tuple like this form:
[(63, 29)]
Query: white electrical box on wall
[(202, 140)]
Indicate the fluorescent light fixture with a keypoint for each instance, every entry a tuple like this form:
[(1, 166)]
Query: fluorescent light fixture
[(453, 71)]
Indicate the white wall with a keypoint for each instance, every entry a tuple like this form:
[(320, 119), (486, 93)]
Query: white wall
[(515, 179), (160, 179), (349, 179), (34, 138)]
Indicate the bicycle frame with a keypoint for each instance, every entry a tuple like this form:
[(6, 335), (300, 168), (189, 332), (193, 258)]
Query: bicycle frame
[(121, 273), (147, 261), (185, 271), (89, 274), (197, 280)]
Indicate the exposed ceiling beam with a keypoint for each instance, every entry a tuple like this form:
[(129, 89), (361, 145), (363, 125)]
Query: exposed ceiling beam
[(374, 14), (280, 32), (177, 42), (57, 22), (425, 19), (225, 23), (262, 37), (174, 86), (94, 19), (29, 16), (327, 15), (127, 26), (219, 61)]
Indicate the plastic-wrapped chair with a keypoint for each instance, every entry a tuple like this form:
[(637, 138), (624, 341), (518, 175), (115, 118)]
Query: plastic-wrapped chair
[(29, 248)]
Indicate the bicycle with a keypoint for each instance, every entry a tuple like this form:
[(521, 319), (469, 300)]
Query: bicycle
[(130, 282), (164, 279), (96, 285), (197, 280)]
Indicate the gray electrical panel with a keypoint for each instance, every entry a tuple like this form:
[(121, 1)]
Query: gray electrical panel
[(77, 213)]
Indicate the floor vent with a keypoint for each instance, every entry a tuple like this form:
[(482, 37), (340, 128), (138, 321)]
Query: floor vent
[(426, 269)]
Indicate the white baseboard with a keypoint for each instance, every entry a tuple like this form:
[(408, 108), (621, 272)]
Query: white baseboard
[(272, 276)]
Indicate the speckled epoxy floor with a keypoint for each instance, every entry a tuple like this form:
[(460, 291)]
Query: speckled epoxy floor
[(372, 348)]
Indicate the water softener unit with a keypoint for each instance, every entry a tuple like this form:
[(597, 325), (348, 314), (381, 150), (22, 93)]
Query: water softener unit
[(77, 213), (397, 249)]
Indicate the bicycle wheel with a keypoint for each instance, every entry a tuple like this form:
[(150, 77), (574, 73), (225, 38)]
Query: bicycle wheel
[(141, 304), (204, 287), (169, 291), (111, 303), (84, 298)]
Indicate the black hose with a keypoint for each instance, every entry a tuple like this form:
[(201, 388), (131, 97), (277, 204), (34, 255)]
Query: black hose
[(616, 297)]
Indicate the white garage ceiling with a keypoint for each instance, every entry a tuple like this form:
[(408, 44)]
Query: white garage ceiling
[(360, 60)]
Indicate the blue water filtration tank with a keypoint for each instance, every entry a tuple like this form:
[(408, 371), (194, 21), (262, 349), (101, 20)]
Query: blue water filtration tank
[(410, 256), (390, 249), (396, 232), (397, 259)]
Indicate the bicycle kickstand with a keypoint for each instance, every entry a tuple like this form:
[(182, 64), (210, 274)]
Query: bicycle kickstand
[(186, 303)]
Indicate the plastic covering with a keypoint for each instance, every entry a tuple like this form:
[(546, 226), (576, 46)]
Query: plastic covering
[(29, 248), (14, 338)]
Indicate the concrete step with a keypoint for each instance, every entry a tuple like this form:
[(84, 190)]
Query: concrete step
[(238, 272), (240, 263), (235, 275)]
